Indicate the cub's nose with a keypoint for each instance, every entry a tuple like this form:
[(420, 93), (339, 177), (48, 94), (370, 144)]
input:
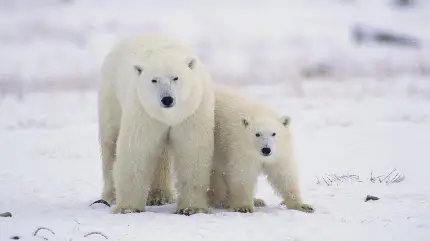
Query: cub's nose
[(266, 151), (167, 101)]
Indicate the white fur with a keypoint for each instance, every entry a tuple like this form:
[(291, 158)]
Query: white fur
[(238, 157), (135, 128)]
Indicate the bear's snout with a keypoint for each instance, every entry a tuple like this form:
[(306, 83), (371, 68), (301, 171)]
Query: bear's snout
[(167, 101), (266, 151)]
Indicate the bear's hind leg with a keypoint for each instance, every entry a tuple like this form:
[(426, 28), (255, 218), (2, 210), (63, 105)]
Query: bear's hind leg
[(109, 123), (217, 194), (161, 192), (258, 202)]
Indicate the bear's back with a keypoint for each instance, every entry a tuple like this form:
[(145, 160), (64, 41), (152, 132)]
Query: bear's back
[(230, 105)]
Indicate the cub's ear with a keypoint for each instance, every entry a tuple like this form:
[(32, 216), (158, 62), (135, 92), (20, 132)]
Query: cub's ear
[(191, 63), (245, 122), (138, 69), (285, 120)]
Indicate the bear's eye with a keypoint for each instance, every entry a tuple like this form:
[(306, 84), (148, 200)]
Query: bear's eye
[(175, 78), (257, 134), (154, 80), (273, 134)]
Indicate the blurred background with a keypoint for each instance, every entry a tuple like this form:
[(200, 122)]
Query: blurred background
[(307, 47)]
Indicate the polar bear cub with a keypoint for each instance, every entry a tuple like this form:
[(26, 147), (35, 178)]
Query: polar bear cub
[(156, 102), (250, 139)]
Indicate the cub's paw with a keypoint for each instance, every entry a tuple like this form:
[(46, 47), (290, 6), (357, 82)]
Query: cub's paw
[(244, 209), (159, 198), (259, 202), (306, 208), (191, 211), (300, 207), (120, 210)]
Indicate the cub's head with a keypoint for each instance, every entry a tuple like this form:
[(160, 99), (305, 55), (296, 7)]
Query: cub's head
[(167, 80), (264, 134)]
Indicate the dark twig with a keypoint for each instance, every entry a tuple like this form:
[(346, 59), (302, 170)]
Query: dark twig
[(41, 228), (325, 181), (398, 179), (389, 175), (92, 233), (390, 180), (101, 201), (392, 177)]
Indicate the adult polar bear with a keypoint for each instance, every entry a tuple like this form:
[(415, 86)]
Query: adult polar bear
[(156, 99), (250, 138)]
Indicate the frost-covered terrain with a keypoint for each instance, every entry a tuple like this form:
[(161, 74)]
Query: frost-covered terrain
[(356, 110), (50, 172)]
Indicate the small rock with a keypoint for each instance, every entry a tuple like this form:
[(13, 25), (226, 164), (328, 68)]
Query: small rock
[(6, 214), (370, 197)]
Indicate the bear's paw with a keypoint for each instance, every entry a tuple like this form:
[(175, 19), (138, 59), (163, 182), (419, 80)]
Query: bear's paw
[(191, 211), (244, 209), (120, 210)]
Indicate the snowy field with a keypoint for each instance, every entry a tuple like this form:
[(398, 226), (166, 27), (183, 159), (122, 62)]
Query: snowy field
[(356, 110), (50, 173)]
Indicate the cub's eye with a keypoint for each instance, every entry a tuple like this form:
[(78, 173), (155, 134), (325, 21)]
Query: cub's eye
[(154, 80), (257, 134), (175, 78), (273, 134)]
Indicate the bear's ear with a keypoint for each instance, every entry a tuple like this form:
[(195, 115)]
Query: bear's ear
[(191, 63), (285, 120), (245, 122), (138, 70)]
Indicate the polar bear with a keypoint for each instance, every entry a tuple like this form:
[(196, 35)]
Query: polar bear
[(156, 102), (251, 138)]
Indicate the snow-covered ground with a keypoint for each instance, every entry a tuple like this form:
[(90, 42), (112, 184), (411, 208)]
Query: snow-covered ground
[(356, 109), (50, 172)]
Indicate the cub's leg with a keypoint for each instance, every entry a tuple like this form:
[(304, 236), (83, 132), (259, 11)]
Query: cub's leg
[(283, 177), (241, 180)]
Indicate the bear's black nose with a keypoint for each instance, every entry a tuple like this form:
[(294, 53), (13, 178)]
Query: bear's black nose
[(266, 151), (167, 101)]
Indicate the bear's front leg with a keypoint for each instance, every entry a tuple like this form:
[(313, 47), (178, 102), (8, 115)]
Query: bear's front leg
[(241, 180), (139, 146), (283, 177), (161, 188), (192, 144)]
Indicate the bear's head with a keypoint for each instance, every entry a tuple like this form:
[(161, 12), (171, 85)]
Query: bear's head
[(169, 85), (264, 134)]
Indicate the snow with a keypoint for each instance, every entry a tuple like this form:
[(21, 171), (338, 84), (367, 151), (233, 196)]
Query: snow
[(367, 112), (50, 173)]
